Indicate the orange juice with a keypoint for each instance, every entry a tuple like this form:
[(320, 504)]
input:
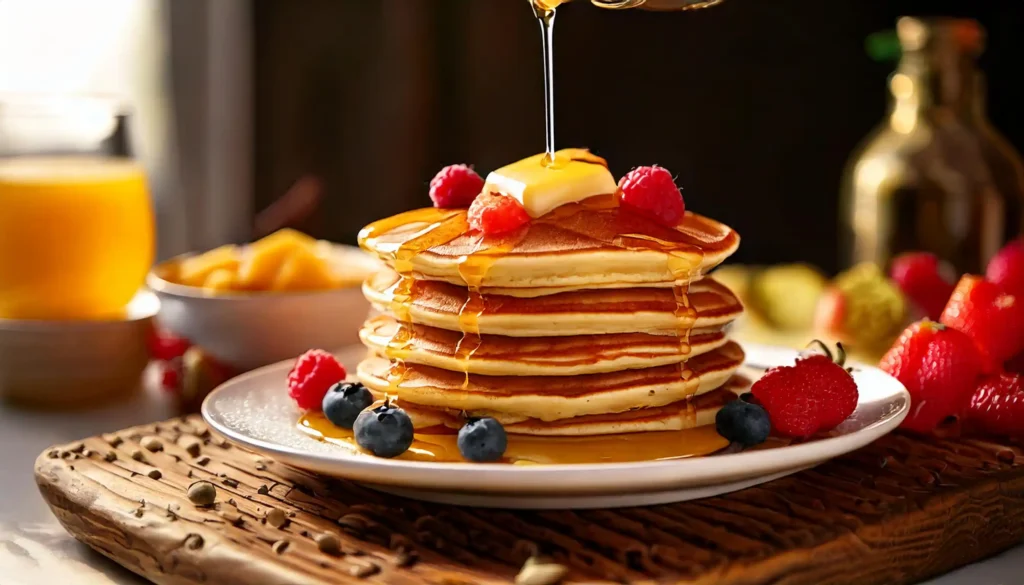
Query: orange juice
[(76, 236)]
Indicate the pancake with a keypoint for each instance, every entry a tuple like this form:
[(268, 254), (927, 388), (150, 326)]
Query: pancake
[(592, 244), (678, 416), (583, 312), (522, 356), (550, 398)]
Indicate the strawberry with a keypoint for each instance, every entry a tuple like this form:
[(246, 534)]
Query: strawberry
[(997, 406), (919, 276), (815, 394), (939, 366), (989, 315), (496, 213), (1006, 268)]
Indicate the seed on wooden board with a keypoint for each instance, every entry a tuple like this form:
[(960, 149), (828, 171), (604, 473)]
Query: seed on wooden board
[(152, 444), (538, 572), (202, 493), (53, 454), (113, 440), (276, 518), (280, 546), (110, 456), (137, 455), (77, 447), (87, 453), (328, 543), (203, 460), (193, 541), (231, 483), (364, 571), (264, 490), (191, 445), (154, 474)]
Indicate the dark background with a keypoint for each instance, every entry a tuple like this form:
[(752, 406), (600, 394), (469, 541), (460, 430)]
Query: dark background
[(755, 105)]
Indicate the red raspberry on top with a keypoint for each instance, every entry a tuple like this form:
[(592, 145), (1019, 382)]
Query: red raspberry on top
[(652, 192), (814, 395), (989, 315), (1006, 268), (494, 213), (455, 186), (919, 276), (939, 367), (312, 375), (997, 406)]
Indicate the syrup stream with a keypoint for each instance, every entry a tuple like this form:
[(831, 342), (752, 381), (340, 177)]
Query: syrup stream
[(546, 18)]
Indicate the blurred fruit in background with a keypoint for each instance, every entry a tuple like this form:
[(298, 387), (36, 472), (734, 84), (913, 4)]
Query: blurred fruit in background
[(935, 176)]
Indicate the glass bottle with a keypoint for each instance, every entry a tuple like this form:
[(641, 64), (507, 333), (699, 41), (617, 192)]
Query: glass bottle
[(935, 176)]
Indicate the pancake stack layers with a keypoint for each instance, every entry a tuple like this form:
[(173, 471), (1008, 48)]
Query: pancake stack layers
[(590, 320)]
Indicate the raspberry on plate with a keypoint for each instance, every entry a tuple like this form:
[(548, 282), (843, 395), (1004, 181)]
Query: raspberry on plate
[(815, 394), (939, 366), (494, 213), (997, 406), (1006, 268), (991, 316), (312, 375), (455, 186), (919, 276), (652, 192)]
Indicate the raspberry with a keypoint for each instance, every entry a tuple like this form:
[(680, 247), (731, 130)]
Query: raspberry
[(997, 406), (939, 366), (919, 276), (494, 213), (455, 186), (651, 191), (991, 316), (312, 375), (814, 395), (1006, 268), (164, 346)]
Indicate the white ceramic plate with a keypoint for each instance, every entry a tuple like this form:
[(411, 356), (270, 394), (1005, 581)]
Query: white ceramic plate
[(255, 411)]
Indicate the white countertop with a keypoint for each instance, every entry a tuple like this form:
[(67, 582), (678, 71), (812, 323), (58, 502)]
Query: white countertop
[(35, 549)]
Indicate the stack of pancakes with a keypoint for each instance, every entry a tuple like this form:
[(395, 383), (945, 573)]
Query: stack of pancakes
[(591, 320)]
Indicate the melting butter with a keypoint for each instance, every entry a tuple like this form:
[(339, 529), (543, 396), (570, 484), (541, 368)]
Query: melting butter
[(575, 175)]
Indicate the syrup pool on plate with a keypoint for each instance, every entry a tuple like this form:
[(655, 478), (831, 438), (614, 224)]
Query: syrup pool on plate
[(524, 450)]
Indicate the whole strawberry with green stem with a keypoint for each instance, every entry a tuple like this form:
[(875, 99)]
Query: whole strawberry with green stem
[(939, 366), (814, 395)]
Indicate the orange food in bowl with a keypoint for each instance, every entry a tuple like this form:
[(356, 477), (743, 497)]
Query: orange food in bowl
[(286, 260)]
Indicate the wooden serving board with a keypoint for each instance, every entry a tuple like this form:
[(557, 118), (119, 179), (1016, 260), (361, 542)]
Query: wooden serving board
[(898, 511)]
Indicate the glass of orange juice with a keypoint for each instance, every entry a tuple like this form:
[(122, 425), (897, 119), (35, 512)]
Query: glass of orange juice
[(76, 222)]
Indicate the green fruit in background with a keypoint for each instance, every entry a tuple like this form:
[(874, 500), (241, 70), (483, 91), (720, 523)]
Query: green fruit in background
[(201, 375), (787, 296)]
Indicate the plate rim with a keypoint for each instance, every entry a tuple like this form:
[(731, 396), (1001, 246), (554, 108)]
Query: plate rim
[(727, 465)]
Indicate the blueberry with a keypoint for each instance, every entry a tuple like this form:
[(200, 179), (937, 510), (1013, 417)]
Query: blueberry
[(385, 431), (482, 440), (743, 422), (344, 401)]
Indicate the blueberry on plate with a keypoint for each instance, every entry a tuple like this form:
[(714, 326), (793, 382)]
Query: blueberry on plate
[(344, 401), (385, 431), (743, 422), (482, 440)]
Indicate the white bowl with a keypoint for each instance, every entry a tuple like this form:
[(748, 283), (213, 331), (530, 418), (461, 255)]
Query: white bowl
[(69, 364), (248, 330)]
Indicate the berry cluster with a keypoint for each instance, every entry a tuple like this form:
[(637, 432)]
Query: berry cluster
[(968, 363)]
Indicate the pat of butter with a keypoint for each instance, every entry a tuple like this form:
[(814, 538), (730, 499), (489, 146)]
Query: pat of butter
[(574, 176)]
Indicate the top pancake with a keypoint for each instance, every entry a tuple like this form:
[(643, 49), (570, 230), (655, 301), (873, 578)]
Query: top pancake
[(592, 244)]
